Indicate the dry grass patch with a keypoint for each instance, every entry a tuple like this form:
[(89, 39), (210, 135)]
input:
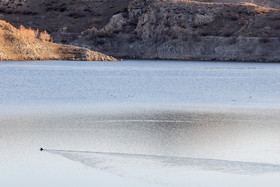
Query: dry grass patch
[(28, 33), (28, 44), (44, 36)]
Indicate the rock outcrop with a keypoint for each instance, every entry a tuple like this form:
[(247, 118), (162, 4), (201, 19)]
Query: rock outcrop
[(186, 30), (27, 44)]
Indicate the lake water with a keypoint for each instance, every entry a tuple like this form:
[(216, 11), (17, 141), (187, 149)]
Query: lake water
[(139, 123)]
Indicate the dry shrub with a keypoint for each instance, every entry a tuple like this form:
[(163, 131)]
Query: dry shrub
[(44, 36), (32, 34), (28, 33)]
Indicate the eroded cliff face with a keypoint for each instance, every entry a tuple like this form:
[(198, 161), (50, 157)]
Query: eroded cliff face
[(178, 29), (26, 44), (159, 29)]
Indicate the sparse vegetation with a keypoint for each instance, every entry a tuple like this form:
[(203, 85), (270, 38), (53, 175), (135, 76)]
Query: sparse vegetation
[(29, 44), (28, 33), (44, 36)]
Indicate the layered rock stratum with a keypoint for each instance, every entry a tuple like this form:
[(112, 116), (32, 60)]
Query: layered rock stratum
[(28, 44), (223, 30)]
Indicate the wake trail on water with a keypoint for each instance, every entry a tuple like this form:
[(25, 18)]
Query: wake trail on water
[(117, 162)]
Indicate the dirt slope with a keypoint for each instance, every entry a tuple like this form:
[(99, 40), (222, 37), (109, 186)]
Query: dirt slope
[(27, 44)]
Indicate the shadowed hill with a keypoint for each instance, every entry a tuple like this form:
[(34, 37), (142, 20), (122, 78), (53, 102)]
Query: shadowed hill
[(72, 16), (190, 30), (75, 16)]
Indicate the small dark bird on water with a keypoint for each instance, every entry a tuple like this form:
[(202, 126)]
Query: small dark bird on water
[(41, 149)]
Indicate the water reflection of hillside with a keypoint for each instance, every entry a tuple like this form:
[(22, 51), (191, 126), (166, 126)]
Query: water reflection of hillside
[(219, 135), (156, 145), (229, 136)]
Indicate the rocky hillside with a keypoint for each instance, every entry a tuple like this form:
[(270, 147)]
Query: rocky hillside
[(28, 44), (158, 29), (179, 29), (73, 16)]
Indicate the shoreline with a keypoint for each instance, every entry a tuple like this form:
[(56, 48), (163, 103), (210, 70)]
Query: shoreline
[(147, 59), (120, 109)]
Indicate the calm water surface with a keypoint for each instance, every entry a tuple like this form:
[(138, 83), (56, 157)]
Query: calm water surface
[(137, 123)]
